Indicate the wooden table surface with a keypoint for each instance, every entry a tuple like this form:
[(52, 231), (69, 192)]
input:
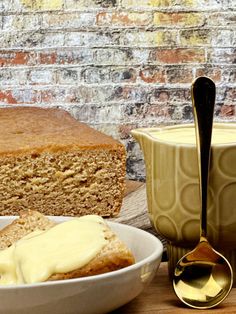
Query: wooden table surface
[(159, 296)]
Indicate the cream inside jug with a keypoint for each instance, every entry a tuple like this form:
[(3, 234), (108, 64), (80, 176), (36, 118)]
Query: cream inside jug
[(186, 135)]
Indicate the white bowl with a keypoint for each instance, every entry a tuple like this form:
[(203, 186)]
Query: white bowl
[(88, 295)]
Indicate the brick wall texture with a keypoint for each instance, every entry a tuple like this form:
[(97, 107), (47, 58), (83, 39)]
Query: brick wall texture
[(118, 64)]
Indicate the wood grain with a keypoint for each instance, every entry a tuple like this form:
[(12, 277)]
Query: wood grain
[(159, 296), (132, 186), (134, 210)]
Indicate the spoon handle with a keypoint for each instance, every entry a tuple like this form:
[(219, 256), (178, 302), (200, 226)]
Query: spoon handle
[(203, 100)]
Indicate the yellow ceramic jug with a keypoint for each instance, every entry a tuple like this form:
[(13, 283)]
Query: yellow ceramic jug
[(173, 192)]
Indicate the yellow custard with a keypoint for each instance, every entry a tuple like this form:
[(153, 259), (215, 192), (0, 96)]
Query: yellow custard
[(186, 135), (63, 248)]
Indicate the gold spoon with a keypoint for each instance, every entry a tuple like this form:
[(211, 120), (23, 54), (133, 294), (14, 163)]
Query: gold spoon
[(203, 277)]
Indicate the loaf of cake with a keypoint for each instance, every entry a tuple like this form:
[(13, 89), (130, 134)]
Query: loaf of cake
[(32, 229), (54, 164)]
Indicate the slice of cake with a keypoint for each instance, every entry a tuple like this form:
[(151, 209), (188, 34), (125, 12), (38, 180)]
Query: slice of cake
[(56, 165), (36, 249)]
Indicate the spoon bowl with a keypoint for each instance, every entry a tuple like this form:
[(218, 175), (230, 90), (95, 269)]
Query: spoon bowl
[(203, 277)]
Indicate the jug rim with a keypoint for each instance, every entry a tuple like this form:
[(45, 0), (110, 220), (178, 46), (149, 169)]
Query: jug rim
[(147, 131)]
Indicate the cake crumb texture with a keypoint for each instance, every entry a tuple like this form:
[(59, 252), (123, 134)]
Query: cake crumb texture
[(52, 163), (27, 222), (113, 256)]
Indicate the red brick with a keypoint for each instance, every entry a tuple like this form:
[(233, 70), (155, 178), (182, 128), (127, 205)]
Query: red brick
[(179, 74), (118, 64), (11, 58), (159, 110), (171, 95), (130, 93), (125, 129), (47, 57), (230, 94), (152, 75), (178, 55), (47, 96), (163, 96), (227, 111), (214, 74), (19, 96), (7, 97), (66, 56), (123, 19)]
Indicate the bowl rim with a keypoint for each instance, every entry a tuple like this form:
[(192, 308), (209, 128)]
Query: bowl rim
[(157, 253)]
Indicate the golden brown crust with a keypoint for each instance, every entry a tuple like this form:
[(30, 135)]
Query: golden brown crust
[(113, 256), (56, 165), (36, 130), (27, 222)]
